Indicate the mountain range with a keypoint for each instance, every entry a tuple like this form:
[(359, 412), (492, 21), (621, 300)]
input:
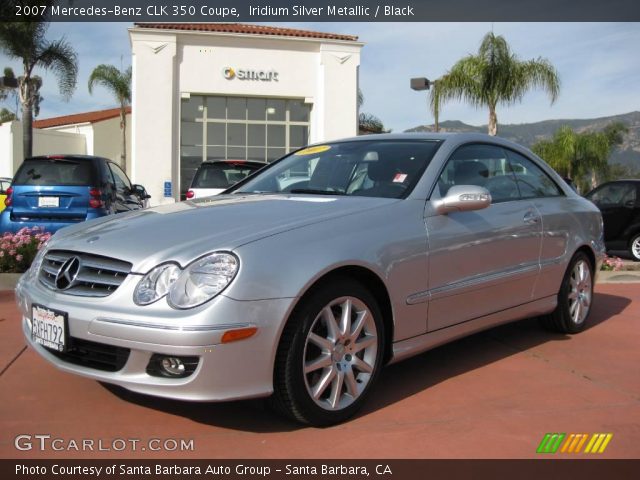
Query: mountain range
[(628, 153)]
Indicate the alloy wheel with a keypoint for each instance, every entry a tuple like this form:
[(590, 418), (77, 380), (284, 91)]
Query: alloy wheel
[(340, 353), (580, 292)]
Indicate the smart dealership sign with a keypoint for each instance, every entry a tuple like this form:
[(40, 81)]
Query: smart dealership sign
[(248, 74)]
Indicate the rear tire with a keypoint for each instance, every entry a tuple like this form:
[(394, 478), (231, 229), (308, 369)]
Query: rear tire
[(330, 354), (634, 247), (574, 299)]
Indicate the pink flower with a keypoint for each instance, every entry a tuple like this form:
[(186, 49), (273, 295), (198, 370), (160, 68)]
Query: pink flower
[(19, 258), (12, 252), (1, 254)]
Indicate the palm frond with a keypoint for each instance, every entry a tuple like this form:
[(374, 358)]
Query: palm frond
[(60, 58)]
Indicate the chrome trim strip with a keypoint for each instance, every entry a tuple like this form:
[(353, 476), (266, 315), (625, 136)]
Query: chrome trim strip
[(472, 283), (182, 328)]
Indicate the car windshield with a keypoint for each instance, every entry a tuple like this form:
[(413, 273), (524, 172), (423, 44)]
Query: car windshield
[(54, 172), (221, 175), (376, 168)]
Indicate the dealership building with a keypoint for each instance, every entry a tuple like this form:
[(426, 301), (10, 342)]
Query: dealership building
[(233, 91)]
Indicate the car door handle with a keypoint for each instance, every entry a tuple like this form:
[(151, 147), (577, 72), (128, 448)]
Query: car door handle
[(531, 218)]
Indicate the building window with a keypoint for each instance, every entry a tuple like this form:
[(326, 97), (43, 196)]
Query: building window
[(238, 128)]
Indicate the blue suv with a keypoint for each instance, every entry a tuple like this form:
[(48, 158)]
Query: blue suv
[(58, 190)]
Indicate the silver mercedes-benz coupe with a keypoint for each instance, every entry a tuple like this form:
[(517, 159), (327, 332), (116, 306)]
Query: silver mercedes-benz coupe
[(303, 280)]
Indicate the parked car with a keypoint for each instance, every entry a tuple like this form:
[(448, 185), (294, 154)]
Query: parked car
[(619, 202), (5, 183), (302, 296), (214, 177), (59, 190)]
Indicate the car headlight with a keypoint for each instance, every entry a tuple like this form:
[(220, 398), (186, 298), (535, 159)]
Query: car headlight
[(37, 261), (156, 284), (203, 279)]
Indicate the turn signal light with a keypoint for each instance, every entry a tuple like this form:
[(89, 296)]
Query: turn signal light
[(9, 200), (238, 334)]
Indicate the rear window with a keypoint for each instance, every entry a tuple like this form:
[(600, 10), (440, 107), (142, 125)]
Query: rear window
[(220, 175), (54, 172)]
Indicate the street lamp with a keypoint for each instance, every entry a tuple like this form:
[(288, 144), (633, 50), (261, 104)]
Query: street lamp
[(421, 83), (8, 82)]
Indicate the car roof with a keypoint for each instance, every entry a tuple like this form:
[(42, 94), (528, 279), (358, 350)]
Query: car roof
[(65, 156), (235, 162)]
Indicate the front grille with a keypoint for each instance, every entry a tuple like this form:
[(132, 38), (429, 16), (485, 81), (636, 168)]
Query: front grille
[(94, 355), (97, 277)]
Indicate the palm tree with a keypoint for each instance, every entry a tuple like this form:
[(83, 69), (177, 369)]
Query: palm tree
[(119, 84), (494, 76), (580, 155), (26, 41)]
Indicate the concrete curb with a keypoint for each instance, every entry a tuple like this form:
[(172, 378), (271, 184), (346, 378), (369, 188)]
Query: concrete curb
[(622, 276), (8, 281)]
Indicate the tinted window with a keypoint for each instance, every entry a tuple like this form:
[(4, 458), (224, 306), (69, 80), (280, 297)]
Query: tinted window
[(122, 182), (614, 194), (481, 165), (387, 169), (55, 172), (221, 175), (532, 181)]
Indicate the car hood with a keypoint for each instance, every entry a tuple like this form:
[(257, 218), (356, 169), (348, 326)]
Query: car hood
[(184, 231)]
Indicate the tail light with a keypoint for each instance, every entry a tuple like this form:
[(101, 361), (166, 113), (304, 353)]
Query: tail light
[(96, 198), (9, 200), (190, 194)]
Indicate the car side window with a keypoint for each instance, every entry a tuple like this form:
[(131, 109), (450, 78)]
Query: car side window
[(121, 179), (481, 165), (615, 194), (533, 182)]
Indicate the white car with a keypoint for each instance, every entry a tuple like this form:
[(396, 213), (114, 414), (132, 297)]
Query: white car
[(214, 177)]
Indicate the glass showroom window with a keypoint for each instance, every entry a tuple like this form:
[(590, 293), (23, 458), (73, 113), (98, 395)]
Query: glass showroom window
[(238, 128)]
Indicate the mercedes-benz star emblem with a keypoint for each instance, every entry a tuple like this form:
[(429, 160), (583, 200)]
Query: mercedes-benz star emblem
[(67, 274)]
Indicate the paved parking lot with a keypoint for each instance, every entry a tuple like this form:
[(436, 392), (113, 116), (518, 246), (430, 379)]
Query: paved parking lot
[(492, 395)]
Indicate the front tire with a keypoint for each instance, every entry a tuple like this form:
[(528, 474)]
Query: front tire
[(574, 299), (634, 247), (329, 355)]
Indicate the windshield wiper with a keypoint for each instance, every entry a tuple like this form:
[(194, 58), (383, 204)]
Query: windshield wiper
[(316, 192)]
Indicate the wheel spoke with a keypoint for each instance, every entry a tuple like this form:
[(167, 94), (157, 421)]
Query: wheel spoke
[(322, 361), (359, 324), (323, 383), (330, 322), (345, 318), (325, 344), (364, 342), (578, 312), (336, 389), (573, 295), (362, 365), (350, 381)]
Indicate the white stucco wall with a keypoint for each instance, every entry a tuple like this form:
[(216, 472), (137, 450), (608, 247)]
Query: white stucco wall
[(107, 140), (167, 64), (45, 142)]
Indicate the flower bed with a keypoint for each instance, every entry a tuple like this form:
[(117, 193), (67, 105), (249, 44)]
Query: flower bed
[(612, 264), (17, 250)]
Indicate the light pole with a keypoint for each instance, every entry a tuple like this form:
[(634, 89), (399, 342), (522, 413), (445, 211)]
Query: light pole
[(421, 83)]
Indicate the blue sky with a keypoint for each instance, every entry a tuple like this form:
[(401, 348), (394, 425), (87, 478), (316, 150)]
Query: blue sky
[(599, 66)]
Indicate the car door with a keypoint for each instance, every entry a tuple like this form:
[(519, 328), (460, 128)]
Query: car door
[(125, 199), (617, 202), (481, 261)]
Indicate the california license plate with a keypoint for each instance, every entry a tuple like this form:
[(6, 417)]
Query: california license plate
[(49, 327), (48, 202)]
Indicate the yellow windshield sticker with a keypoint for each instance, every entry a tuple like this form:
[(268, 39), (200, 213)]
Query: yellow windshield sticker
[(312, 150)]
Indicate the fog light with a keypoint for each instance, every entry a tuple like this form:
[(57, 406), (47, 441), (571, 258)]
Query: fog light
[(171, 366)]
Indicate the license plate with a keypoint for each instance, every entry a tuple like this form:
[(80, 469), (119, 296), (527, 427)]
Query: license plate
[(48, 202), (49, 327)]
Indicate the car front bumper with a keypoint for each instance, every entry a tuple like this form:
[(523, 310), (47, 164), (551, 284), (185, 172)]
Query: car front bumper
[(225, 371)]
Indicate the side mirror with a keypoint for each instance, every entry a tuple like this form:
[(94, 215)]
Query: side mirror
[(463, 198), (140, 191)]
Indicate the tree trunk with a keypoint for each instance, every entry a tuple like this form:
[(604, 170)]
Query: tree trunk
[(27, 130), (123, 128), (493, 121)]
